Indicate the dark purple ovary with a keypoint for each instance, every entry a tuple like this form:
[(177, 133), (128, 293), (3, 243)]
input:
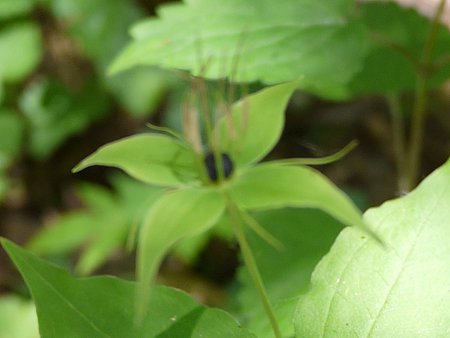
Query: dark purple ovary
[(210, 164)]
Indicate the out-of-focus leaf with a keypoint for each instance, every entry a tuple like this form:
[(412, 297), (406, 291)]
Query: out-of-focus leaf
[(141, 90), (256, 122), (103, 306), (152, 158), (55, 113), (273, 41), (177, 215), (20, 50), (100, 26), (306, 236), (361, 289), (11, 134), (102, 228), (12, 8), (385, 69), (17, 318), (271, 186)]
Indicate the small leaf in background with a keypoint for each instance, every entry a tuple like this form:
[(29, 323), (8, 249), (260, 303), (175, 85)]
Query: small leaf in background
[(292, 34), (272, 186), (306, 236), (13, 8), (55, 113), (386, 70), (152, 158), (17, 318), (101, 29), (142, 89), (102, 227), (361, 289), (11, 136), (258, 122), (20, 50), (103, 306), (177, 215)]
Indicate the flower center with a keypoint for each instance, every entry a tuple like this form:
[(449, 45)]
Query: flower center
[(211, 166)]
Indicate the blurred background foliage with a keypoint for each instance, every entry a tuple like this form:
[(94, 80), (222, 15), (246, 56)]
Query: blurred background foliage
[(58, 104)]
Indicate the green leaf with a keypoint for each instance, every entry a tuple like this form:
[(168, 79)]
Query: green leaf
[(361, 289), (306, 236), (177, 215), (12, 8), (257, 124), (55, 112), (273, 42), (385, 69), (17, 318), (103, 306), (271, 185), (101, 228), (151, 158), (142, 89), (20, 50), (11, 134), (99, 26)]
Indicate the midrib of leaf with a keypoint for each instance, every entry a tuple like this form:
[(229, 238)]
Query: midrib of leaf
[(403, 264), (64, 299)]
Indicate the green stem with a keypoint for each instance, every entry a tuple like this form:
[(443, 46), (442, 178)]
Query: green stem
[(252, 267), (398, 136), (419, 112)]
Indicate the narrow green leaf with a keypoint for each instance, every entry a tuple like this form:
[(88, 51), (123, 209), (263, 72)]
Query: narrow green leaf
[(257, 123), (152, 158), (363, 290), (102, 307), (273, 41), (20, 50), (270, 186), (177, 215)]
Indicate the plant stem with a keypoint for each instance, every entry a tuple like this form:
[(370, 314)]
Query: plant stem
[(398, 136), (419, 112), (252, 267)]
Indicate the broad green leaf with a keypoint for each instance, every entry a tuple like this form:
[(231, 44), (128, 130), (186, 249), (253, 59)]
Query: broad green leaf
[(306, 236), (17, 318), (177, 215), (12, 8), (385, 69), (256, 124), (103, 306), (152, 158), (20, 50), (361, 289), (55, 112), (271, 41), (271, 186)]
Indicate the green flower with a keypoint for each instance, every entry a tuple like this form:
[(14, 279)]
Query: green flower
[(224, 178)]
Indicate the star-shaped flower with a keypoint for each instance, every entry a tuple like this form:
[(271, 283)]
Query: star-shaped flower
[(203, 185)]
